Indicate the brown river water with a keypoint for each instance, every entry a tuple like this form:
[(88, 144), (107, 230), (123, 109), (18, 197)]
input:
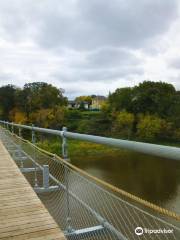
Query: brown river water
[(154, 179)]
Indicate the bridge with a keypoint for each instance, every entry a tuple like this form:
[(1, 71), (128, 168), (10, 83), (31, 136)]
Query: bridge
[(72, 203)]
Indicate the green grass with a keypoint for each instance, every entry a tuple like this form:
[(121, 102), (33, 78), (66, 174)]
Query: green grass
[(82, 149), (76, 147)]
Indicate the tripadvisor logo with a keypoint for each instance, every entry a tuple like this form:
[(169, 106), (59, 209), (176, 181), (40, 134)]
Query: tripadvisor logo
[(139, 231)]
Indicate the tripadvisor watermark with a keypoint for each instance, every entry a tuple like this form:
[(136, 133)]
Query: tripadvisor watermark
[(140, 231)]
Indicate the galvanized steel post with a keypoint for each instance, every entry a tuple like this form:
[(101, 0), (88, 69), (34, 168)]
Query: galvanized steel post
[(45, 176), (64, 144), (12, 128), (33, 135), (34, 142), (65, 157), (7, 126), (20, 132)]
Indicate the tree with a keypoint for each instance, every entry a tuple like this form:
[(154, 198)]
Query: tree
[(87, 99), (17, 116), (174, 111), (49, 117), (148, 97), (151, 127), (154, 98), (40, 95), (7, 100), (121, 99), (123, 125), (72, 118)]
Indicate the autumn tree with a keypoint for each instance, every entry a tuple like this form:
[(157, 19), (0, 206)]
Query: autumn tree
[(151, 127), (7, 100), (121, 99), (154, 98), (40, 95), (123, 125)]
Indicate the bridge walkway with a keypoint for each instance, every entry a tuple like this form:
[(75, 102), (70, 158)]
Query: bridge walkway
[(22, 214)]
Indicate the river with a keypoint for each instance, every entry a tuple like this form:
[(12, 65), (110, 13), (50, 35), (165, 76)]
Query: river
[(154, 179)]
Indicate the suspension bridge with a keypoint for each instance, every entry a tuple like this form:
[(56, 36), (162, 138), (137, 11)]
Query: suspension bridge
[(44, 196)]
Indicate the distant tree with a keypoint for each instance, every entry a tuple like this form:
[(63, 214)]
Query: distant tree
[(7, 100), (154, 98), (174, 111), (151, 127), (87, 99), (48, 117), (40, 95), (123, 124), (72, 118), (81, 100), (121, 99), (148, 97), (17, 116)]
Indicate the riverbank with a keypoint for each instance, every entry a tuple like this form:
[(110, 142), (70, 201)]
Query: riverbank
[(81, 149), (78, 148)]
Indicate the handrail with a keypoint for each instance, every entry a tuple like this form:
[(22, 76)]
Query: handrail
[(109, 186), (146, 148), (101, 182)]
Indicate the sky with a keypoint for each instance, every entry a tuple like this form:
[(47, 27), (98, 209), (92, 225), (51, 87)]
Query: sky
[(89, 46)]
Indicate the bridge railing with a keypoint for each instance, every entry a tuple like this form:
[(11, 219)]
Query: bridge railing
[(146, 148), (82, 205)]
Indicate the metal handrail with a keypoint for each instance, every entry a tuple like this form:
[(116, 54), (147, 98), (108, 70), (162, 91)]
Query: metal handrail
[(146, 148), (131, 145)]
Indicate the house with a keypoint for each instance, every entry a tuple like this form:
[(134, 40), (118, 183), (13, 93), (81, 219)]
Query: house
[(77, 105), (71, 104), (97, 102)]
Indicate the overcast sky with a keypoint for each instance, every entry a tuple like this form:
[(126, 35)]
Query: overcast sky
[(89, 46)]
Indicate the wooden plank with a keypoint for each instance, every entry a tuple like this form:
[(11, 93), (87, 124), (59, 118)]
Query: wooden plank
[(22, 214)]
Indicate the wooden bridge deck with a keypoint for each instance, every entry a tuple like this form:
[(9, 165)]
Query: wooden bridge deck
[(22, 214)]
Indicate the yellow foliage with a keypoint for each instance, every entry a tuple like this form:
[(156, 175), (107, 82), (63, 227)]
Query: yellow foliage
[(17, 116)]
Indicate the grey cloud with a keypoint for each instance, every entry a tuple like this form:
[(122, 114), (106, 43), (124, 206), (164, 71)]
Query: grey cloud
[(84, 24), (111, 57), (8, 78), (100, 23), (99, 75), (175, 63), (81, 41)]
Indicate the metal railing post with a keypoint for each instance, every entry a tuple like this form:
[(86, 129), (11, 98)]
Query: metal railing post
[(12, 128), (33, 137), (65, 157), (7, 126), (20, 135), (20, 132), (64, 144), (45, 176)]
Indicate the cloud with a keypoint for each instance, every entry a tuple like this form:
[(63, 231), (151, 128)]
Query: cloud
[(175, 63), (81, 44), (111, 57), (83, 24), (96, 23)]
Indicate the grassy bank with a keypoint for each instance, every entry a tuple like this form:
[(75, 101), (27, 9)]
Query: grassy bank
[(82, 150), (76, 147)]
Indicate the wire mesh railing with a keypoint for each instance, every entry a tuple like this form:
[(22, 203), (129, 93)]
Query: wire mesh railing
[(83, 208)]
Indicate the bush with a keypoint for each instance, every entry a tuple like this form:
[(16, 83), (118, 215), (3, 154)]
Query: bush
[(123, 125), (151, 128)]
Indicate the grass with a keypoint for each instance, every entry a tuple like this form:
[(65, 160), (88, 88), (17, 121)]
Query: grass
[(82, 150), (76, 147)]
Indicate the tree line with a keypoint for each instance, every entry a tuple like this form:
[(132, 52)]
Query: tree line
[(149, 111), (36, 102)]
